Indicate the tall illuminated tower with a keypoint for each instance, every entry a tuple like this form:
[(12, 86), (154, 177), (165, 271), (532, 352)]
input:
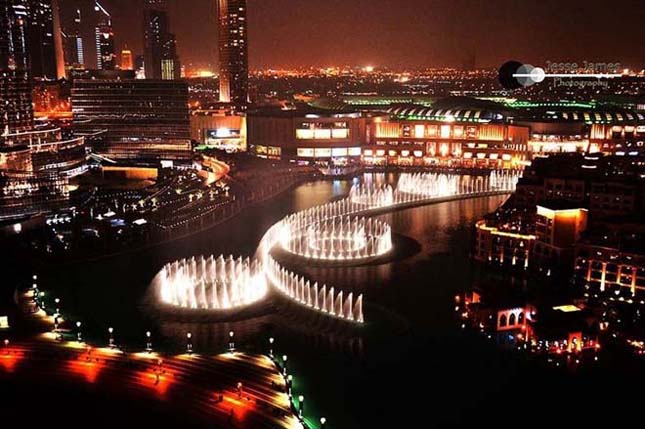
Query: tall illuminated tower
[(160, 46), (127, 60), (40, 35), (73, 43), (16, 110), (105, 53), (233, 52)]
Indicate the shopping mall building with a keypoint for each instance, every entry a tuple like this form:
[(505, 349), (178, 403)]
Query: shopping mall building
[(450, 132), (406, 136)]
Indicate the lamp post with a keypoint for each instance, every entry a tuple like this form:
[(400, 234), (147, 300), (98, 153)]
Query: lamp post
[(34, 288), (57, 301), (301, 405), (111, 337), (6, 346), (189, 344), (148, 342), (289, 384), (79, 336), (323, 421), (231, 341), (42, 300), (284, 365), (271, 340)]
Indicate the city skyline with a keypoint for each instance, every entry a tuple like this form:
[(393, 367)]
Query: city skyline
[(413, 34)]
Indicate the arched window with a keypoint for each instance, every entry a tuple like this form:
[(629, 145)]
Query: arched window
[(502, 321), (520, 318), (511, 320)]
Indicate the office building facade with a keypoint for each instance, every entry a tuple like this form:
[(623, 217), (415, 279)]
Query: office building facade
[(137, 119)]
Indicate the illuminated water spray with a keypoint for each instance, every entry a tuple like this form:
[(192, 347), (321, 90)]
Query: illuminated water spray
[(332, 231), (211, 283), (338, 238)]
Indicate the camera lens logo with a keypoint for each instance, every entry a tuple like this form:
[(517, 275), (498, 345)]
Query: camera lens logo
[(515, 75)]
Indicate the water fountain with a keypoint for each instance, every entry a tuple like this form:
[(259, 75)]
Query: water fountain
[(327, 232), (338, 238), (211, 283), (318, 298), (370, 196)]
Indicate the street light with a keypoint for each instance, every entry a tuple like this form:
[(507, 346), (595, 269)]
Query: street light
[(322, 422), (79, 336), (271, 340), (289, 384), (284, 365), (301, 405), (231, 342), (189, 345), (111, 339), (148, 342), (6, 346)]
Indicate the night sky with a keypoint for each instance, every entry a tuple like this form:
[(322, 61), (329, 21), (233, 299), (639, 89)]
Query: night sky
[(407, 33)]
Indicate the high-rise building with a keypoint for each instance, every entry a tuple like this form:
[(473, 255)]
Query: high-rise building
[(138, 119), (40, 37), (233, 52), (160, 46), (16, 110), (73, 43), (104, 36), (127, 61), (35, 162)]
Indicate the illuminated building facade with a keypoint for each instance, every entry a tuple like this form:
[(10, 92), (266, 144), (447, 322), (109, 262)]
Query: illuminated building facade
[(584, 128), (308, 136), (621, 138), (475, 138), (160, 46), (35, 162), (104, 38), (15, 83), (127, 61), (140, 119), (233, 52), (503, 245), (604, 268), (219, 130), (558, 228)]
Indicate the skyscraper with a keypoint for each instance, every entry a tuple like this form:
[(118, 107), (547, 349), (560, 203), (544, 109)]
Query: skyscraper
[(233, 52), (73, 43), (40, 37), (160, 46), (104, 33), (35, 162), (127, 61), (16, 110)]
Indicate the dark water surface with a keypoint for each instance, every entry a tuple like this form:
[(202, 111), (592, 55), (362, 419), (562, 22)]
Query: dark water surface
[(411, 365)]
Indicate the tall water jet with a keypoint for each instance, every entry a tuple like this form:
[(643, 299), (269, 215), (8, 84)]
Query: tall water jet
[(211, 284)]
